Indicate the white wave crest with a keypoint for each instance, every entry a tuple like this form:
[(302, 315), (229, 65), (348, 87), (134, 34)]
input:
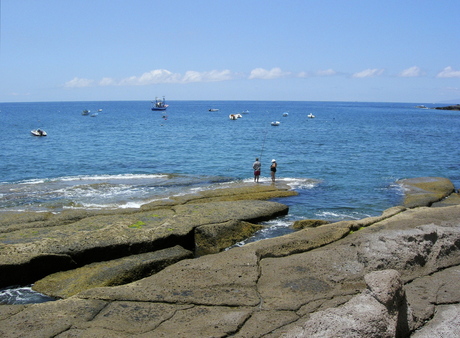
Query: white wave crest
[(95, 178)]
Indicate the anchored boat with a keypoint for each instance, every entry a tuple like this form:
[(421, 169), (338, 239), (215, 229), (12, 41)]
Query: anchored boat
[(38, 132), (234, 116), (159, 104)]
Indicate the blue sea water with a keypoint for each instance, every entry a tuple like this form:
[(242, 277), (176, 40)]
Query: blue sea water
[(344, 163)]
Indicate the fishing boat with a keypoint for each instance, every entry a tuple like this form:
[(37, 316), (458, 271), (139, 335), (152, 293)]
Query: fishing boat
[(159, 104), (285, 114), (85, 112), (213, 109), (275, 123), (38, 132), (311, 115)]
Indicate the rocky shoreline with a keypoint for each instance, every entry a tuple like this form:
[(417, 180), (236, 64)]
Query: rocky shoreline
[(452, 107), (35, 245), (392, 275)]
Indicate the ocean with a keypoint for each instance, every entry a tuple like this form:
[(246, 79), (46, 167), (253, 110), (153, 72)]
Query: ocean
[(344, 162)]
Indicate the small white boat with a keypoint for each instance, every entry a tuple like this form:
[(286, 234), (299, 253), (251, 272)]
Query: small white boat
[(311, 115), (38, 132), (85, 112), (421, 106), (99, 110), (234, 116), (245, 112), (213, 109), (285, 114), (93, 114), (275, 123)]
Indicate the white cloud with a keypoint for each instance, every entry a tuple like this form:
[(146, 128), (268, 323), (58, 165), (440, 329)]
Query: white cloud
[(78, 83), (212, 76), (449, 72), (274, 73), (153, 77), (369, 73), (156, 76), (411, 72), (107, 81), (303, 74), (327, 72)]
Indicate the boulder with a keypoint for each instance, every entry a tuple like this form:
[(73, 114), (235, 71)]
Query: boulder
[(445, 323), (373, 313), (427, 293), (452, 199), (115, 272), (309, 223), (424, 191), (213, 238)]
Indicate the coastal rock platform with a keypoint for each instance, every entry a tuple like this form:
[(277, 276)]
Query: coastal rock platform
[(34, 245), (393, 275)]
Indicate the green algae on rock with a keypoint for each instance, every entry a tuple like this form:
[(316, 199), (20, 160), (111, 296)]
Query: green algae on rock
[(33, 246), (424, 191)]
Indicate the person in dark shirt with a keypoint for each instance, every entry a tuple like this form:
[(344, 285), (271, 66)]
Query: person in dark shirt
[(273, 169)]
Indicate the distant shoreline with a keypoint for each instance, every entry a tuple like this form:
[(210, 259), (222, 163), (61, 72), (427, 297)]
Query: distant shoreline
[(452, 107)]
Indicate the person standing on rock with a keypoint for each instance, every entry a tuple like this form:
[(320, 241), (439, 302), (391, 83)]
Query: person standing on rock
[(273, 169), (256, 166)]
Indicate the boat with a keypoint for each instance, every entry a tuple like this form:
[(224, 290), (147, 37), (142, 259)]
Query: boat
[(311, 115), (275, 123), (245, 112), (159, 104), (421, 106), (99, 110), (38, 132), (285, 114), (234, 116), (213, 109), (85, 112), (94, 114)]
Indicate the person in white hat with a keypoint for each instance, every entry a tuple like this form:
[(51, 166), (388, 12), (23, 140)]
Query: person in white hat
[(273, 169)]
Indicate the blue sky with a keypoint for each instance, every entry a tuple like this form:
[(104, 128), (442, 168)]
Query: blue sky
[(305, 50)]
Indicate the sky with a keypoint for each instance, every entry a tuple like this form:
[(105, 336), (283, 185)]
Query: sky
[(282, 50)]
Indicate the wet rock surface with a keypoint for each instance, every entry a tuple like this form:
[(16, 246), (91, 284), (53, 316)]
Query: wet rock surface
[(34, 246), (392, 275)]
